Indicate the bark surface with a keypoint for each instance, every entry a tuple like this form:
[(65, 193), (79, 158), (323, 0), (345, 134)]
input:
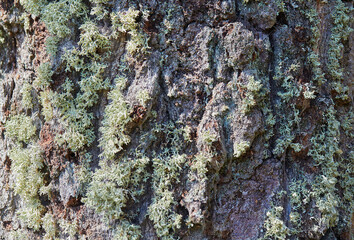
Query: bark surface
[(194, 119)]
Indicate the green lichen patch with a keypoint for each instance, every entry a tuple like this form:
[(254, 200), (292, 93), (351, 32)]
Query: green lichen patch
[(20, 128)]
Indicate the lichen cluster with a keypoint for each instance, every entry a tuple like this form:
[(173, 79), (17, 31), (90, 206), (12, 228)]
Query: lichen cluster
[(134, 169)]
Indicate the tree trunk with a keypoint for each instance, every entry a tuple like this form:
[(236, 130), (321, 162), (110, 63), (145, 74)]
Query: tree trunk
[(193, 119)]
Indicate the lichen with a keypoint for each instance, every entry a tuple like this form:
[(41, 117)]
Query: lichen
[(26, 170), (274, 225), (49, 226), (27, 100), (116, 118), (125, 22), (20, 128), (240, 148)]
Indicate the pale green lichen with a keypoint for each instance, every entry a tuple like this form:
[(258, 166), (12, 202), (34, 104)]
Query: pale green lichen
[(200, 166), (34, 6), (99, 8), (68, 227), (44, 76), (167, 167), (274, 225), (26, 169), (58, 17), (289, 119), (125, 22), (114, 184), (18, 234), (127, 231), (20, 128), (117, 116), (143, 97), (339, 33), (323, 151), (49, 225), (46, 101), (241, 148), (208, 137), (166, 171), (252, 93), (27, 99), (91, 40)]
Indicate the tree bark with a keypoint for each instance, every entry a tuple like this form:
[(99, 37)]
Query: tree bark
[(193, 119)]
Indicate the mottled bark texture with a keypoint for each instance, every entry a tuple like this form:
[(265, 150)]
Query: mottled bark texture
[(193, 119)]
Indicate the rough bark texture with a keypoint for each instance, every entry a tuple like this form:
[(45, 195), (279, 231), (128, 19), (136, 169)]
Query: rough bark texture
[(194, 119)]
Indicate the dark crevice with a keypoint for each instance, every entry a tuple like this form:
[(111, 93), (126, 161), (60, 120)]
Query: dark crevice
[(281, 19), (272, 88)]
